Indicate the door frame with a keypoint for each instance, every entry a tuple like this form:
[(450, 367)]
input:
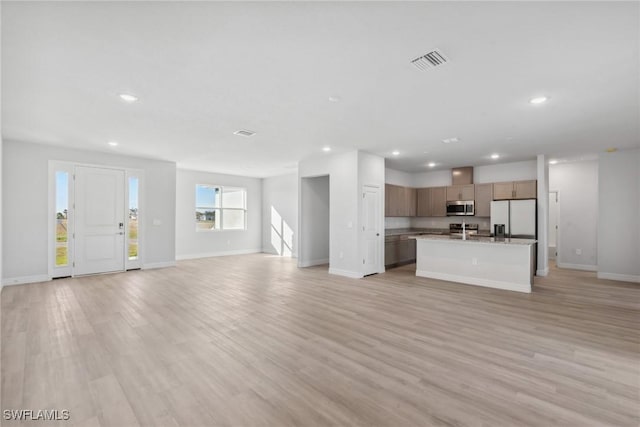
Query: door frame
[(58, 165), (380, 240)]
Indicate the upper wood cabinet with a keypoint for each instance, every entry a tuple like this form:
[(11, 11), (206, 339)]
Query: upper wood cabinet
[(526, 189), (484, 196), (399, 201), (423, 207), (515, 190), (438, 201), (460, 192), (410, 196), (431, 202)]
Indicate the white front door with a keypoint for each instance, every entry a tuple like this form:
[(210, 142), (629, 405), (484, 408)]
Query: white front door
[(99, 220), (371, 229)]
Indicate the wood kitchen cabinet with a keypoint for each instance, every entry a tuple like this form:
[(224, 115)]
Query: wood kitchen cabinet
[(484, 196), (410, 201), (460, 192), (526, 189), (423, 204), (399, 201), (438, 201), (399, 250), (431, 202), (514, 190), (392, 200)]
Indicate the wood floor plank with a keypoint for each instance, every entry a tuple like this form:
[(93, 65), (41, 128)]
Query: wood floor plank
[(253, 340)]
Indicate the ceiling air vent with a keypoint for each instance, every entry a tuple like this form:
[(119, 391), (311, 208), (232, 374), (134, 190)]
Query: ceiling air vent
[(245, 133), (432, 59)]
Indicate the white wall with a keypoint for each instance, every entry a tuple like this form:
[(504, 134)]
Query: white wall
[(316, 210), (343, 187), (515, 171), (431, 179), (198, 244), (618, 207), (25, 191), (280, 215), (577, 213), (394, 177)]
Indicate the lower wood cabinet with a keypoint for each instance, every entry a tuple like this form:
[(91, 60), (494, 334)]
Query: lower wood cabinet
[(399, 250)]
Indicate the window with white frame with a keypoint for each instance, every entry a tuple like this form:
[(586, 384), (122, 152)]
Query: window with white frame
[(220, 208)]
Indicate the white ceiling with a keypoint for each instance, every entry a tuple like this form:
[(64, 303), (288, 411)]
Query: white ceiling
[(205, 70)]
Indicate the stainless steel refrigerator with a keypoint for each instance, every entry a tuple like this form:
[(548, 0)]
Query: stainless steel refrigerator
[(518, 216)]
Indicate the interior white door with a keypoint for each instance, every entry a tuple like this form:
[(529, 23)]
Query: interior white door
[(99, 220), (371, 229)]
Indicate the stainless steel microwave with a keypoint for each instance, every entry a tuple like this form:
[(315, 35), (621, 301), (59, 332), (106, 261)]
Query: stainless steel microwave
[(460, 207)]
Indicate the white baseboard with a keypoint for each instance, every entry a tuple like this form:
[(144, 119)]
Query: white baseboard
[(620, 277), (313, 262), (584, 267), (543, 272), (25, 279), (517, 287), (216, 254), (152, 265), (346, 273)]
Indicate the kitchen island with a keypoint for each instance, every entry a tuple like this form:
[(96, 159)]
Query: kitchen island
[(482, 261)]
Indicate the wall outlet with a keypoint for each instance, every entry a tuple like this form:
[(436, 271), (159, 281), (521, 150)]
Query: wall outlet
[(341, 255), (578, 251), (474, 261)]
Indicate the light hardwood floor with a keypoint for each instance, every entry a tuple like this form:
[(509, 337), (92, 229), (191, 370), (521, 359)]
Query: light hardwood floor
[(253, 340)]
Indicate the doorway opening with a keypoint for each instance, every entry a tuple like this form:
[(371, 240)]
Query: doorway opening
[(314, 221), (553, 225), (94, 222)]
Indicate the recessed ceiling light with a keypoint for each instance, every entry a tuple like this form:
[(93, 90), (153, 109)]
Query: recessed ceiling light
[(553, 162), (431, 164), (495, 156), (127, 97), (612, 150), (113, 143), (334, 98), (538, 100), (395, 153), (326, 149)]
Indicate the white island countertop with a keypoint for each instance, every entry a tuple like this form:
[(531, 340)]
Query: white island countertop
[(481, 261), (477, 239)]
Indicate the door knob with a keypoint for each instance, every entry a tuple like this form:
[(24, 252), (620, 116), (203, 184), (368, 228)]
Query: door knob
[(377, 234), (120, 233)]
